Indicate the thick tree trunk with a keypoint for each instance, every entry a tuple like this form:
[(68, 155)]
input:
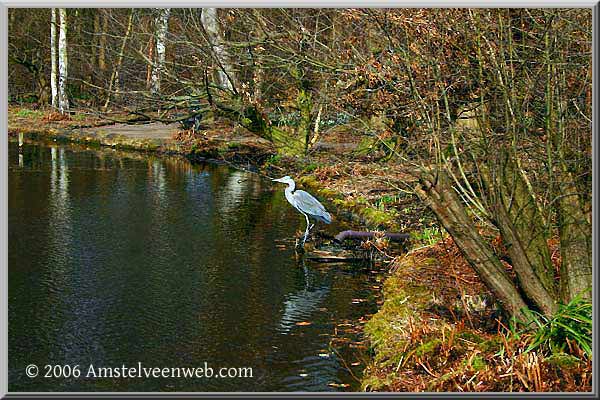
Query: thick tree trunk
[(575, 241), (225, 75), (517, 216), (437, 192), (63, 63), (162, 25), (53, 61)]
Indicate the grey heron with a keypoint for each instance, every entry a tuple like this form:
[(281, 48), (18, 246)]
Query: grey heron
[(305, 203)]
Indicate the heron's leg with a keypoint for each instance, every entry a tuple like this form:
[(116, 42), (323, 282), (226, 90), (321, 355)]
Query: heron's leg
[(307, 229)]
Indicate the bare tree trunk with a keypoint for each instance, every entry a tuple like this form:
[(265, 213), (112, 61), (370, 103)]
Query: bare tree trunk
[(150, 66), (315, 136), (162, 25), (437, 192), (103, 38), (63, 62), (258, 71), (575, 241), (95, 38), (53, 72), (305, 106), (210, 22), (114, 78)]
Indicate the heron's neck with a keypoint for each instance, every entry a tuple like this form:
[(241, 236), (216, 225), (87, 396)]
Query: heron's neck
[(291, 187)]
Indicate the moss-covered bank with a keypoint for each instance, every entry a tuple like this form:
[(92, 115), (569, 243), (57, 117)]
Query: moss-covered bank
[(438, 330)]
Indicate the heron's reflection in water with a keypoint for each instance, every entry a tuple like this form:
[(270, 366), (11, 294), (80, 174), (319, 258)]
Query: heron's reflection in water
[(300, 305)]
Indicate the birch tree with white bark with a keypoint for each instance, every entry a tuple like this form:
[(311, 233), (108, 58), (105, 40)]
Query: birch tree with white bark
[(210, 22), (62, 63), (161, 28), (53, 72)]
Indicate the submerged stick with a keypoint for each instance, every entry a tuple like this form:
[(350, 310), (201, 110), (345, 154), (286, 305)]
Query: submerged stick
[(395, 237)]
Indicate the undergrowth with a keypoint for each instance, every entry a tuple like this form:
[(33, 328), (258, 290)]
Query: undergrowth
[(440, 330)]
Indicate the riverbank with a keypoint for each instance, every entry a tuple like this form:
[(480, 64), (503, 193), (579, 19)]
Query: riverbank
[(361, 189), (436, 329), (218, 142)]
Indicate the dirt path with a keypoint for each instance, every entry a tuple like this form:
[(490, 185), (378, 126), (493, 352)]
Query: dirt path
[(155, 130)]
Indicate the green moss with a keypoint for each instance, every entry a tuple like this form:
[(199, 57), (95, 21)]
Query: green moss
[(274, 159), (379, 218), (330, 194), (428, 347), (382, 331), (311, 167), (376, 383), (563, 360), (26, 113), (477, 363), (492, 345), (471, 337), (79, 117), (309, 181)]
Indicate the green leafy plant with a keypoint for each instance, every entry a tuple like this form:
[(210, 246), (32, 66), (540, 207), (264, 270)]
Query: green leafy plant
[(572, 322), (428, 236)]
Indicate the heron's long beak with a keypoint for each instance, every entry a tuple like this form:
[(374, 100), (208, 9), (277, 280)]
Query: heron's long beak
[(277, 180)]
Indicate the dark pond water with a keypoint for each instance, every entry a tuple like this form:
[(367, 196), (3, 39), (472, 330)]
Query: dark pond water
[(119, 259)]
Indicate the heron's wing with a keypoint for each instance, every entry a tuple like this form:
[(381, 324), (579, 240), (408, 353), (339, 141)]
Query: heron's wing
[(309, 205)]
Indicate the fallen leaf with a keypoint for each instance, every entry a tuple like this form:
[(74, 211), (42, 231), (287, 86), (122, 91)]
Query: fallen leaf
[(333, 384)]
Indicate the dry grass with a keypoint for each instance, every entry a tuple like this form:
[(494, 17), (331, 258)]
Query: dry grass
[(43, 119)]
